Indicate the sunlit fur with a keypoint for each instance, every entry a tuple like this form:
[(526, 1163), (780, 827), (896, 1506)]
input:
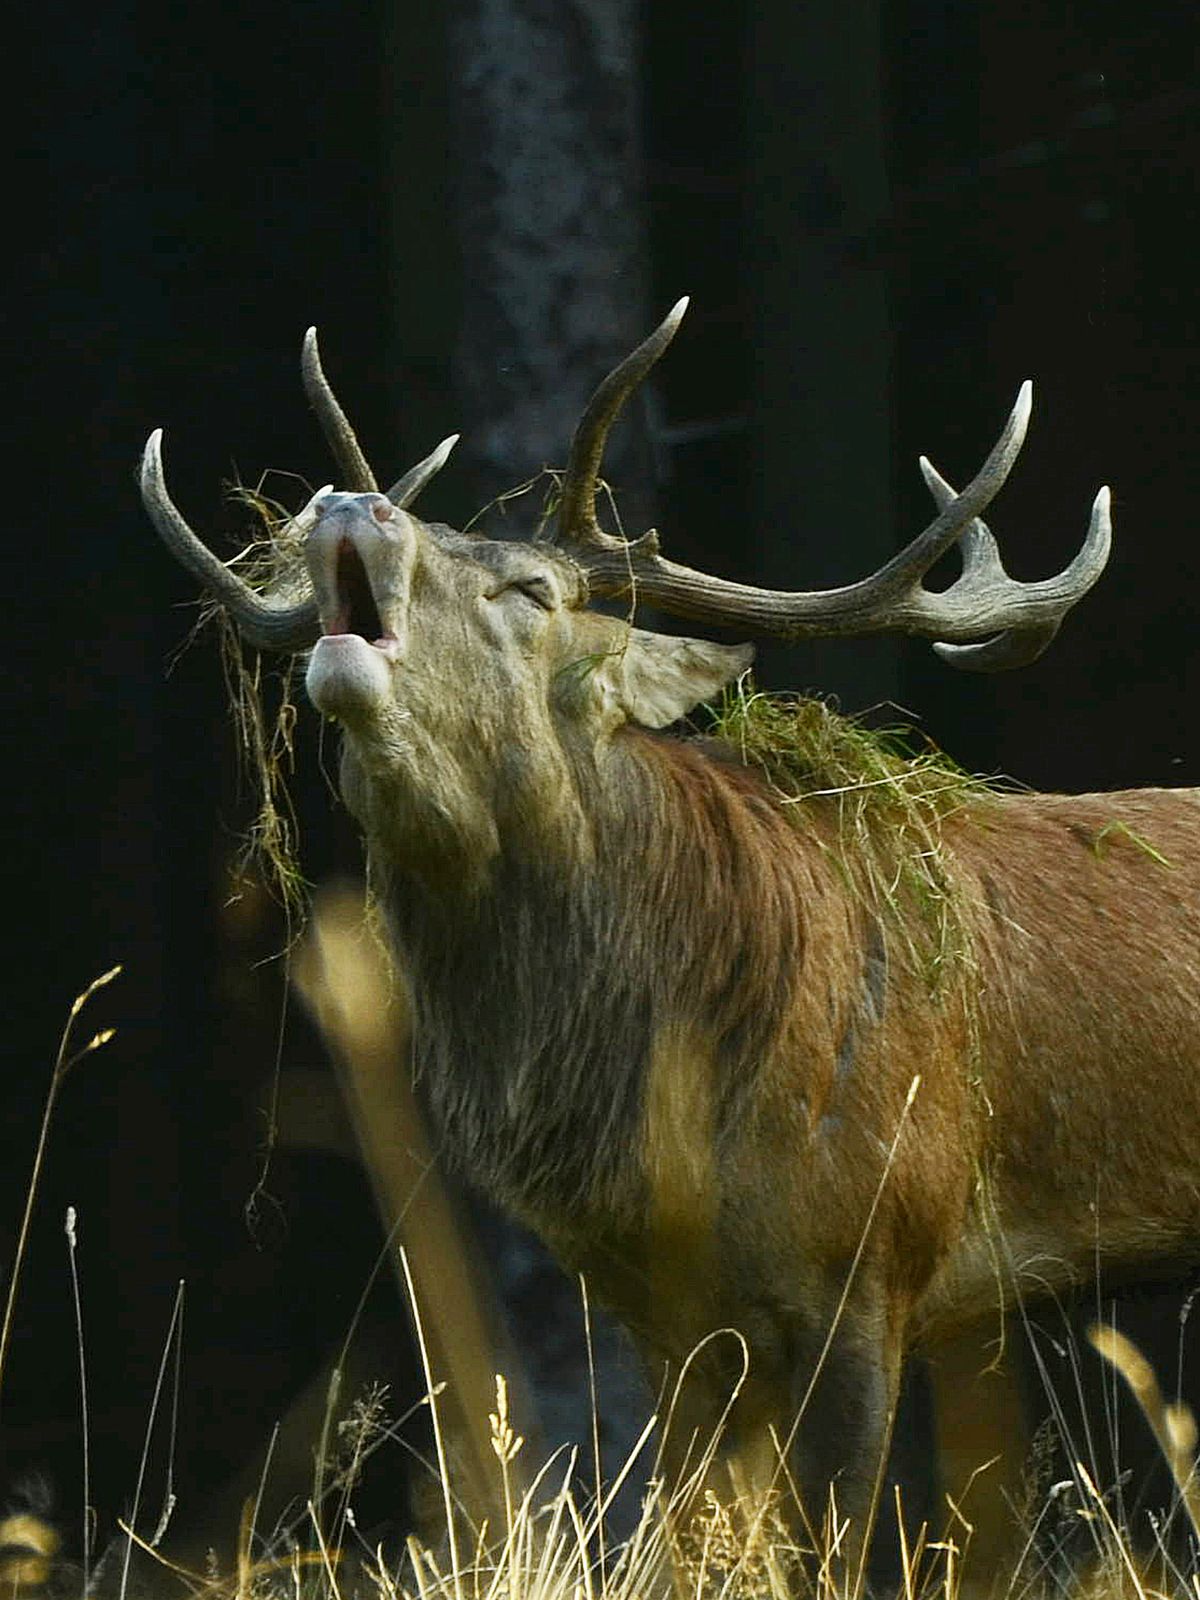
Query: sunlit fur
[(655, 1020)]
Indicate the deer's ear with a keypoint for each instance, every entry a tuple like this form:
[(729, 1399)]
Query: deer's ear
[(661, 678)]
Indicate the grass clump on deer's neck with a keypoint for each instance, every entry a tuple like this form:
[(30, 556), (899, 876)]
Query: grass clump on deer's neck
[(882, 808)]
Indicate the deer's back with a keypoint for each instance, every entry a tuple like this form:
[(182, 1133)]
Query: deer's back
[(1088, 1069)]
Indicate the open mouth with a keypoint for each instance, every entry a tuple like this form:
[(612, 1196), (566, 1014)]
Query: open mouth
[(356, 611)]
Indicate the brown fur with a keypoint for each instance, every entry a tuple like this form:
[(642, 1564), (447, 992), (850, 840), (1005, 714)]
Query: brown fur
[(1089, 987), (1054, 1131)]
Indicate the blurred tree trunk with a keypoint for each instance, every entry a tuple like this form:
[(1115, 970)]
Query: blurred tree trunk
[(546, 115), (545, 108)]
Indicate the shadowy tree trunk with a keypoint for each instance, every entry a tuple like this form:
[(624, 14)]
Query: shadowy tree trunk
[(546, 116)]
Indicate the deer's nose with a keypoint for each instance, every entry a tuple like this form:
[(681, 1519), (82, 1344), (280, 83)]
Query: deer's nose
[(343, 502), (341, 515)]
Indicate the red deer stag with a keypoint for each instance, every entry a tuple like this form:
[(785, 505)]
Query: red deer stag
[(656, 1012)]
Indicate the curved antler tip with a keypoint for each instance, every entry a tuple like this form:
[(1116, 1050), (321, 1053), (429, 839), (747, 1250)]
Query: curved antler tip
[(152, 456), (676, 312), (441, 455), (1015, 428), (1103, 501), (934, 482)]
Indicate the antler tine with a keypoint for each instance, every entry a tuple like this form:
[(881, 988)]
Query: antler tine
[(984, 622), (984, 583), (577, 521), (268, 627), (335, 425), (911, 564), (406, 489)]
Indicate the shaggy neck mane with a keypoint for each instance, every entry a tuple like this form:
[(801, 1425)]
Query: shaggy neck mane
[(538, 999)]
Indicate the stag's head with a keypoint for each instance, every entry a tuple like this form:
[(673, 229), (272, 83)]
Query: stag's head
[(469, 674)]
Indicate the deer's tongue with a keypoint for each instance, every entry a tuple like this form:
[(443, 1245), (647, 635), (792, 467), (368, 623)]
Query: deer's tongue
[(349, 678)]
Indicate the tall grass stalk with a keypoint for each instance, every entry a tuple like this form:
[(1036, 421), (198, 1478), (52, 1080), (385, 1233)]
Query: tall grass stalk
[(72, 1245), (1173, 1426), (174, 1336), (597, 1463), (63, 1062), (438, 1439)]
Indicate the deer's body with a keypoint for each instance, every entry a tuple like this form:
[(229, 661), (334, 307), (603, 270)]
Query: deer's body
[(654, 1013), (693, 914), (687, 1050)]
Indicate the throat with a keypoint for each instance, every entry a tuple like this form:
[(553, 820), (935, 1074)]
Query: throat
[(531, 1037)]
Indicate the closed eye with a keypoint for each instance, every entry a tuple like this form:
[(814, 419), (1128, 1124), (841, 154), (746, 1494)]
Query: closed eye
[(540, 591), (534, 587)]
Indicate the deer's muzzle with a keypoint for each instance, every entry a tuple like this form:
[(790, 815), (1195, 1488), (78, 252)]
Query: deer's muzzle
[(360, 557)]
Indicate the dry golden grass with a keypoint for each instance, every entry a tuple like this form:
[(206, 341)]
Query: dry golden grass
[(546, 1539), (549, 1544)]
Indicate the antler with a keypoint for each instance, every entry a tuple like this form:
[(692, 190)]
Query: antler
[(264, 620), (577, 521), (263, 624), (1032, 612), (339, 435), (343, 440), (985, 621)]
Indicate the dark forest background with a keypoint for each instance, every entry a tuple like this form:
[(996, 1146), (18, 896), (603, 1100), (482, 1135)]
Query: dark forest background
[(886, 215)]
